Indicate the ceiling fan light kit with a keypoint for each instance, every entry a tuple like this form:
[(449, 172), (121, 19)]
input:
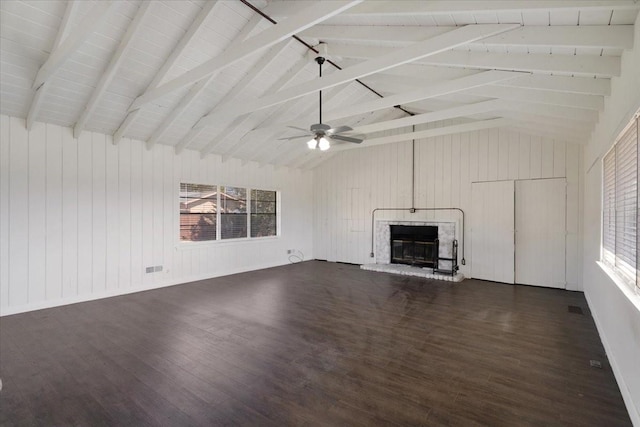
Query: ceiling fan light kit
[(323, 134)]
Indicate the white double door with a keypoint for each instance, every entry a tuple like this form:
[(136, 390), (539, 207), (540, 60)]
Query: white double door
[(518, 231)]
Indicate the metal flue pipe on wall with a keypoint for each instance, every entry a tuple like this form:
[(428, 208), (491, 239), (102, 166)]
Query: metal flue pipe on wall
[(413, 209)]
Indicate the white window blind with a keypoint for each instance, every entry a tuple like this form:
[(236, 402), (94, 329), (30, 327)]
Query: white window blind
[(620, 206)]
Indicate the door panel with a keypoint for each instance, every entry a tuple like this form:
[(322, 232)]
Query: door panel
[(492, 237), (540, 232)]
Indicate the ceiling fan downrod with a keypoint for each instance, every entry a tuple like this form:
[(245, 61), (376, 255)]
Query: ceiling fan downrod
[(320, 60)]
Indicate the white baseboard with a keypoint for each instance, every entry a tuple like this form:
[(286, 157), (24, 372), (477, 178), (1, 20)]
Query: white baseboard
[(8, 311), (624, 390)]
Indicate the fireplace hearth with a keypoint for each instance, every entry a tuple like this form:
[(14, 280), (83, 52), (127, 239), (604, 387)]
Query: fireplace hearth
[(414, 245)]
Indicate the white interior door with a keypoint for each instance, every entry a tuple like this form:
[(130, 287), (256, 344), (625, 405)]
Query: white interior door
[(492, 236), (541, 232)]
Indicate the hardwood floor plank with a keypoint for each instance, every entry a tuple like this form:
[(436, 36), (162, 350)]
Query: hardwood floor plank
[(313, 343)]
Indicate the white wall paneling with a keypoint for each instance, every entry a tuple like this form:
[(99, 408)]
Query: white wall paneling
[(492, 237), (81, 218), (540, 232), (445, 167), (616, 310)]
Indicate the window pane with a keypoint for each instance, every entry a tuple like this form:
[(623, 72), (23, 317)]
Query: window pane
[(263, 213), (626, 192), (620, 206), (198, 207), (233, 212), (609, 209)]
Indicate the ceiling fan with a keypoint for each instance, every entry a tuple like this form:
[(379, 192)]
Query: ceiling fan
[(322, 134)]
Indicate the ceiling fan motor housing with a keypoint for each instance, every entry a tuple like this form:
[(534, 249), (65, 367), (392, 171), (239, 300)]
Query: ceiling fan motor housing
[(320, 127)]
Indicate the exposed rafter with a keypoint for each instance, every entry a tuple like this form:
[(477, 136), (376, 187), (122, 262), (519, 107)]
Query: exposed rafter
[(583, 85), (90, 23), (575, 100), (412, 7), (578, 85), (196, 90), (588, 36), (578, 65), (110, 72), (197, 23), (418, 119), (41, 91), (236, 91), (283, 81), (392, 59), (311, 15), (446, 130), (430, 91)]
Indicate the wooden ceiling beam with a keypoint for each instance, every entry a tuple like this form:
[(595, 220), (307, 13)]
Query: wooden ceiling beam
[(446, 130), (197, 89), (577, 65), (90, 23), (192, 133), (41, 91), (393, 58), (587, 36), (574, 100), (195, 26), (451, 86), (109, 73), (279, 84), (413, 8), (256, 70), (449, 113), (311, 15)]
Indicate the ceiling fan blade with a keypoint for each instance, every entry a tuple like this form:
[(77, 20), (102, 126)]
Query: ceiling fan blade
[(289, 138), (346, 139), (339, 129), (297, 128)]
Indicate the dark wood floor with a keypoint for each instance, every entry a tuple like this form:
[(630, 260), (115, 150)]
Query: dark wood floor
[(313, 343)]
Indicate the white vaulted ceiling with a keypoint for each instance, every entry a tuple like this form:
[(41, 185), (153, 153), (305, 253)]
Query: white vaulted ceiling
[(227, 77)]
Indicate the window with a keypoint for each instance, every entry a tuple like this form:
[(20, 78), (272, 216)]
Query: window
[(233, 212), (620, 206), (212, 212), (198, 209), (263, 213)]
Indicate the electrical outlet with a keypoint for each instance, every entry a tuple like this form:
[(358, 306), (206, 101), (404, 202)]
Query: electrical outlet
[(157, 268), (289, 251), (149, 269)]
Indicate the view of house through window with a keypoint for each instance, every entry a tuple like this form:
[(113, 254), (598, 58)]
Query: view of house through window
[(210, 212), (233, 212), (620, 238), (198, 209)]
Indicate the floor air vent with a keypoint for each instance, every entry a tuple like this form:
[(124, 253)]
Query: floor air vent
[(575, 309)]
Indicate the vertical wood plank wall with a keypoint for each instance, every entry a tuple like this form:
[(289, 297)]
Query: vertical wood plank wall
[(82, 218), (349, 185)]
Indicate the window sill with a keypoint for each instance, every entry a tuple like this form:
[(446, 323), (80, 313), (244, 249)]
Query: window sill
[(186, 245), (631, 292)]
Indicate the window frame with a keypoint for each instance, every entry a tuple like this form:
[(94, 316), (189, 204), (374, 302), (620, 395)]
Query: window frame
[(185, 244), (610, 203)]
